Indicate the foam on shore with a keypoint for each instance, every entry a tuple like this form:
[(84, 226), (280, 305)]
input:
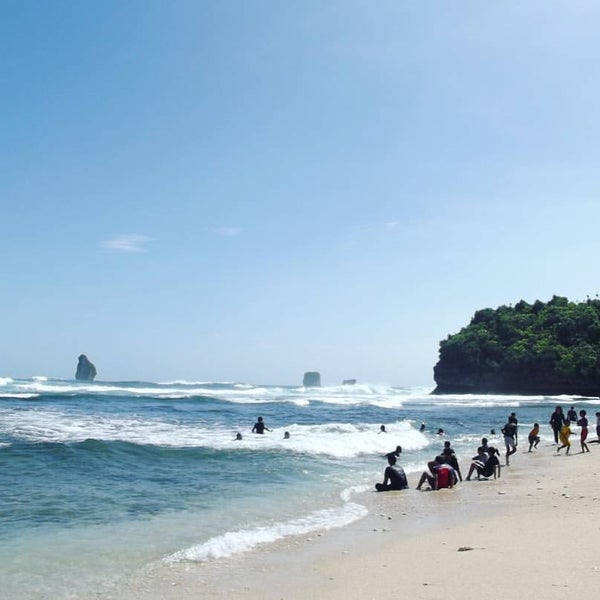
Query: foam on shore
[(535, 525)]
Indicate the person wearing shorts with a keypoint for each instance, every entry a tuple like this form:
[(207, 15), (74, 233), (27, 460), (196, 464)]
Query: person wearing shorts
[(583, 423), (510, 433)]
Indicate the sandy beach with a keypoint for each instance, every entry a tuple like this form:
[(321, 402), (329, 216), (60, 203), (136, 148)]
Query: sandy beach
[(535, 528)]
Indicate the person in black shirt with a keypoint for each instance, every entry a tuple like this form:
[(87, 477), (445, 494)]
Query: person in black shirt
[(394, 477), (557, 420), (259, 426)]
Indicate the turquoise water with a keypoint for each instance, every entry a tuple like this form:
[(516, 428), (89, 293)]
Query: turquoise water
[(97, 480)]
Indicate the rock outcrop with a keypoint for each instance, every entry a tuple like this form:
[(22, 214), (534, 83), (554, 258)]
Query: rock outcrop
[(86, 371), (312, 379), (349, 382), (545, 348)]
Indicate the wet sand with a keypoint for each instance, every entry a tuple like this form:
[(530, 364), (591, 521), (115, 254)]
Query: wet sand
[(533, 531)]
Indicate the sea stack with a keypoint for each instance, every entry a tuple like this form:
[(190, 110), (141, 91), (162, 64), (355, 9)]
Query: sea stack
[(86, 371), (312, 379)]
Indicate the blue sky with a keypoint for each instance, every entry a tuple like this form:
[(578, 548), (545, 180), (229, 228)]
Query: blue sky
[(249, 190)]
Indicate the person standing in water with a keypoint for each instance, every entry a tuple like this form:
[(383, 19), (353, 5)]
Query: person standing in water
[(259, 426)]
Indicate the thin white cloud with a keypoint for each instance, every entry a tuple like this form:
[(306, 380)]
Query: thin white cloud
[(228, 231), (132, 242)]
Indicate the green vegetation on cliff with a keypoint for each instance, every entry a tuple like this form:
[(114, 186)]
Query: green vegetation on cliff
[(540, 348)]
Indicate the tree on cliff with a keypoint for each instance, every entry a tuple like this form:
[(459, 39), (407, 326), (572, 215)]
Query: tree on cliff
[(539, 348)]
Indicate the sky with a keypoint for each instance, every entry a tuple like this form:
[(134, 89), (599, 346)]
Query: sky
[(245, 191)]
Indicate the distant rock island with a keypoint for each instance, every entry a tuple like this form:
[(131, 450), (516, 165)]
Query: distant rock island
[(86, 371), (542, 348), (349, 382), (312, 379)]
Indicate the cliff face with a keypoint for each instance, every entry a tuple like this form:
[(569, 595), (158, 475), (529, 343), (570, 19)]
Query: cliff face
[(548, 348), (454, 380)]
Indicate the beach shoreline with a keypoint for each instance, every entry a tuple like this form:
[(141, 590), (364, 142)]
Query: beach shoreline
[(536, 524)]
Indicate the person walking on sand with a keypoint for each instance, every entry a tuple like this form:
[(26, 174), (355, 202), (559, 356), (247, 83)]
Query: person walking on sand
[(565, 432), (533, 438), (259, 426), (583, 423), (394, 477), (509, 431), (512, 418), (557, 420)]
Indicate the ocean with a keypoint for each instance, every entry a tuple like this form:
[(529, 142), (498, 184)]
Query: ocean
[(98, 480)]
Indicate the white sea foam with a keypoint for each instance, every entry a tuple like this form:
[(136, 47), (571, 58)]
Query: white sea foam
[(19, 396), (338, 440), (243, 540), (5, 380)]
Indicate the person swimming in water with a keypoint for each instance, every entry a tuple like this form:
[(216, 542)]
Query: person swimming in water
[(286, 435), (395, 453), (259, 426), (238, 436)]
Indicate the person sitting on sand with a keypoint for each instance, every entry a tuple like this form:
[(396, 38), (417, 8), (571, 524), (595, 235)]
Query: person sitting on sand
[(443, 476), (533, 438), (450, 457), (478, 462), (490, 468), (394, 477), (509, 431), (259, 426), (565, 432), (583, 423)]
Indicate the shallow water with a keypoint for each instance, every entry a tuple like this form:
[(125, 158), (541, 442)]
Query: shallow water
[(99, 479)]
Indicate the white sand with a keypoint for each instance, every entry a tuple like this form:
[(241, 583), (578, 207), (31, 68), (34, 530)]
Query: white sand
[(533, 532)]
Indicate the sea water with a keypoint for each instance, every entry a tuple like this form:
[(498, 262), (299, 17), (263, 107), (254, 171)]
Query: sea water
[(100, 479)]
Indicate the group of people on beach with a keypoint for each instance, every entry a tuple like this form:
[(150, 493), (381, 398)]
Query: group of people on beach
[(444, 471)]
